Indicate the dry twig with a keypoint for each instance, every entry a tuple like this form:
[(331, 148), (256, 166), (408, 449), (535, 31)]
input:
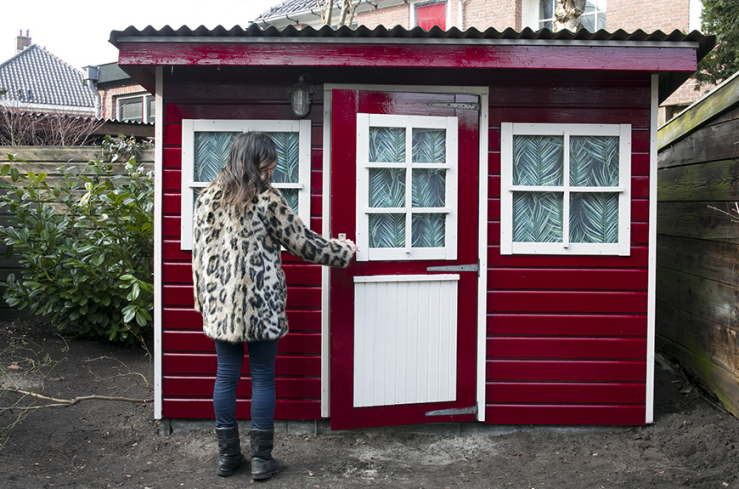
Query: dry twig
[(67, 402)]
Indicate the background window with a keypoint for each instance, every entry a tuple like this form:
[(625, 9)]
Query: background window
[(566, 188), (205, 147), (429, 14), (593, 19), (139, 108)]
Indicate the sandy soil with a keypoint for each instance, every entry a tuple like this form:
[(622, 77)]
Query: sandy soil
[(97, 444)]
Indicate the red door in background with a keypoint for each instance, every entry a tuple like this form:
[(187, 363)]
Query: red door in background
[(404, 186)]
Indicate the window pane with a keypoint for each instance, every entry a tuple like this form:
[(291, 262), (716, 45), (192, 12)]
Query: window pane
[(151, 107), (594, 217), (428, 230), (291, 196), (538, 160), (594, 161), (537, 217), (588, 22), (429, 188), (211, 153), (601, 24), (387, 230), (387, 145), (387, 187), (546, 9), (429, 146), (132, 110), (288, 157)]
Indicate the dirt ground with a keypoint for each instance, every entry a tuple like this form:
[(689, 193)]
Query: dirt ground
[(99, 444)]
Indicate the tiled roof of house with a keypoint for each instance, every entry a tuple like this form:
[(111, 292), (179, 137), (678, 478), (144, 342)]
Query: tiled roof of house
[(34, 77)]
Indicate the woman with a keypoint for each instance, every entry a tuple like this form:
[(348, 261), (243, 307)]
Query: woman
[(240, 225)]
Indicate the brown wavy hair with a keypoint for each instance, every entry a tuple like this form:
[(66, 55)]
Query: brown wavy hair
[(246, 173)]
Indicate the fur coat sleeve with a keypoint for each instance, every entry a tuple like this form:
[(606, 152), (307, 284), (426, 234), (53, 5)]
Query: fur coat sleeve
[(239, 284)]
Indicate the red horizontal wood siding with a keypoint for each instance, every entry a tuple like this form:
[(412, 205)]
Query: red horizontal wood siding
[(202, 386), (189, 360), (567, 335), (561, 330), (191, 407)]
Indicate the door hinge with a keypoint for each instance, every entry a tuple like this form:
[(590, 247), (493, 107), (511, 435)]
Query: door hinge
[(453, 412), (455, 105), (455, 268)]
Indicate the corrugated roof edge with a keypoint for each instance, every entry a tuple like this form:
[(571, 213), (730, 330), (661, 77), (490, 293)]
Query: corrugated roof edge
[(705, 43)]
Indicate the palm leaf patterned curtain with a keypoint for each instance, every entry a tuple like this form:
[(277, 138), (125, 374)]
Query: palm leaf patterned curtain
[(538, 216), (211, 154), (388, 187)]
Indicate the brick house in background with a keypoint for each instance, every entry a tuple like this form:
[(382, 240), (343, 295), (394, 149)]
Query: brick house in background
[(121, 98), (610, 15)]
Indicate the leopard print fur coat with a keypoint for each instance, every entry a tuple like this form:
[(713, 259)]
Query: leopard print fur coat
[(239, 284)]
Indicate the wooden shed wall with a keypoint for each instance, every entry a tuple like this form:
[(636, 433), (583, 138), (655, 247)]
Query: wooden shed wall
[(567, 335), (698, 255), (189, 359)]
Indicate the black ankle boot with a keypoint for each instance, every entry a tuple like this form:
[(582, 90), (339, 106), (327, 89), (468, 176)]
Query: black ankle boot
[(229, 450), (263, 465)]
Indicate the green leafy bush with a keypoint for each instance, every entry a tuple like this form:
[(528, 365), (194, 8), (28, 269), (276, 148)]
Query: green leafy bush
[(86, 246)]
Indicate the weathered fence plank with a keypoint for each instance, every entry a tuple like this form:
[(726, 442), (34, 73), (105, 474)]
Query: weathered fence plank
[(704, 298), (717, 180), (715, 142), (714, 260), (716, 343), (699, 220)]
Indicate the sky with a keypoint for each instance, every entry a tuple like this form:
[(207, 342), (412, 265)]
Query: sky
[(77, 31)]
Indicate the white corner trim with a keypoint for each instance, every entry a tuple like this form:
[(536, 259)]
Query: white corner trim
[(652, 267), (158, 243), (326, 271), (482, 256)]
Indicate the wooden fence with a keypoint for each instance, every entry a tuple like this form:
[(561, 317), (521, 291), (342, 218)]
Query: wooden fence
[(698, 243), (43, 159)]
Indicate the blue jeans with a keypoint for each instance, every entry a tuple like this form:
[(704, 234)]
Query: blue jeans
[(262, 356)]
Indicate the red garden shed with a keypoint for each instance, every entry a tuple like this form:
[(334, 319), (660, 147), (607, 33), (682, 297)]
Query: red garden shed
[(501, 188)]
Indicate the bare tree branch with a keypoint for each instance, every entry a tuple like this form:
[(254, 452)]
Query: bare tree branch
[(67, 402)]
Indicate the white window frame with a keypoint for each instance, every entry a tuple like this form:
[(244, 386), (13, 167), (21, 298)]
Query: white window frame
[(531, 13), (450, 124), (508, 246), (421, 3), (144, 98), (189, 186)]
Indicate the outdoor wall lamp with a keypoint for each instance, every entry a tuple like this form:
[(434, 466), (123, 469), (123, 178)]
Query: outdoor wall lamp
[(300, 97)]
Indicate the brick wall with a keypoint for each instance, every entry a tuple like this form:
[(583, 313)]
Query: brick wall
[(109, 96), (648, 15), (481, 14), (499, 14), (388, 17)]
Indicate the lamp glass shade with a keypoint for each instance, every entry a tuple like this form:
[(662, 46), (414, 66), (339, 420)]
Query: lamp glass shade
[(300, 100)]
